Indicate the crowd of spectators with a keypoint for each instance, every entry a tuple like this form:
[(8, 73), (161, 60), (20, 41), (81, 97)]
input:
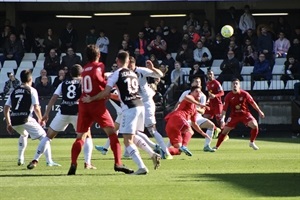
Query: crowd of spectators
[(195, 45)]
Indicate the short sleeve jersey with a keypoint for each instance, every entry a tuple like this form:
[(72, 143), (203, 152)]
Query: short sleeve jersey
[(21, 101), (93, 80), (214, 87), (238, 103), (145, 91), (70, 90), (127, 83)]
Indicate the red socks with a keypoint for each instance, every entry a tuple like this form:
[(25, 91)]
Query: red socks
[(186, 138), (76, 149), (174, 151), (116, 148), (254, 133), (220, 139)]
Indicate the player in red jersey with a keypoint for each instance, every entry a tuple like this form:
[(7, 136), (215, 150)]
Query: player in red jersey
[(178, 128), (237, 100), (93, 82), (215, 92)]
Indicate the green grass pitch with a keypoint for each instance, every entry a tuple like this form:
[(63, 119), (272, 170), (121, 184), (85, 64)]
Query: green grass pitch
[(235, 171)]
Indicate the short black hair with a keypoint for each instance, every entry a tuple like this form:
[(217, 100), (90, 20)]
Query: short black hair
[(235, 79), (122, 55), (193, 88), (26, 76), (75, 70)]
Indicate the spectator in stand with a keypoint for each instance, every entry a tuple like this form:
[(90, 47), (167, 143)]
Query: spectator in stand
[(6, 32), (169, 61), (194, 36), (69, 38), (185, 55), (44, 88), (158, 47), (26, 45), (103, 42), (190, 44), (70, 59), (250, 56), (207, 31), (38, 45), (51, 41), (178, 76), (140, 59), (148, 31), (231, 18), (202, 55), (197, 72), (250, 35), (247, 21), (295, 49), (52, 63), (283, 26), (91, 37), (191, 21), (28, 35), (165, 80), (124, 47), (296, 33), (130, 43), (230, 68), (262, 69), (38, 80), (218, 47), (236, 49), (13, 49), (207, 43), (265, 44), (281, 46), (141, 44), (173, 40), (291, 70), (59, 79), (11, 84), (154, 60), (165, 29)]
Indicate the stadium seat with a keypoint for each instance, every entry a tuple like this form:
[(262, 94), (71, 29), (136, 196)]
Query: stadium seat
[(217, 71), (280, 61), (246, 72), (26, 64), (246, 85), (174, 55), (12, 64), (186, 71), (36, 73), (3, 74), (204, 69), (80, 55), (276, 85), (277, 71), (217, 63), (1, 86), (290, 84), (260, 85), (41, 56), (39, 64), (226, 85), (61, 56), (29, 57)]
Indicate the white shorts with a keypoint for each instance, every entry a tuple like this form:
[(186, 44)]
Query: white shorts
[(32, 128), (149, 113), (61, 122), (199, 120), (118, 119), (132, 120)]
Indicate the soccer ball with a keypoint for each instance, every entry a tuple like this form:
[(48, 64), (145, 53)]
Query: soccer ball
[(227, 31)]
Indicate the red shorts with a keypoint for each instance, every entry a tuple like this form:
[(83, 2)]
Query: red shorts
[(215, 110), (93, 112), (175, 126), (233, 120)]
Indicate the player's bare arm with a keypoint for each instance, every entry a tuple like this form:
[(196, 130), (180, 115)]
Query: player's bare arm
[(38, 113), (49, 106), (255, 106), (7, 119), (101, 95), (198, 129), (222, 121), (191, 99), (157, 72)]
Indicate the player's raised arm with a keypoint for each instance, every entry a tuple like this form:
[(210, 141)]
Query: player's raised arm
[(191, 99), (156, 71)]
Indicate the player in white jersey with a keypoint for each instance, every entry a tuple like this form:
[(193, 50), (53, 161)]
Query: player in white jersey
[(70, 91), (22, 102), (201, 121)]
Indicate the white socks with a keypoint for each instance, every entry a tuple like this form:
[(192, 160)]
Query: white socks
[(21, 147), (139, 142), (159, 139), (88, 148), (146, 139), (209, 132), (135, 155)]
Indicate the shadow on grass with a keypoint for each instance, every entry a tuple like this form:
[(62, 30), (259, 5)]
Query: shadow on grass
[(269, 184), (52, 175)]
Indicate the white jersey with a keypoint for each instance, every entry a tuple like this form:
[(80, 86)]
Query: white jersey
[(145, 91)]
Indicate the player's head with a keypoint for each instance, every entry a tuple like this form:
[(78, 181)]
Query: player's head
[(210, 75), (235, 85), (75, 71), (26, 76), (195, 91), (123, 59), (196, 81), (92, 53), (132, 62)]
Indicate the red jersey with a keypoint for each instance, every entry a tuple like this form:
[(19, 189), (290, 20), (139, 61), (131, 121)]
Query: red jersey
[(186, 110), (238, 102), (214, 87), (93, 80)]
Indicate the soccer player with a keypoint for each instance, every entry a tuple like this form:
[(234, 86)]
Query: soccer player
[(178, 129), (70, 91), (237, 100), (215, 92), (22, 102), (147, 96), (201, 121), (93, 82), (132, 107)]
